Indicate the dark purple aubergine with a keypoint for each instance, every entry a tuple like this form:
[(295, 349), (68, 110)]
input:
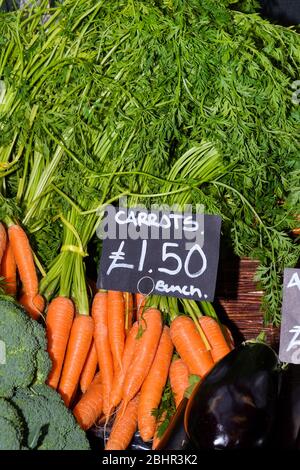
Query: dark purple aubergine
[(175, 437), (297, 444), (234, 406), (288, 425)]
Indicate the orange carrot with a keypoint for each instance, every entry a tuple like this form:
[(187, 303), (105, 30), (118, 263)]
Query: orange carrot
[(31, 300), (89, 369), (116, 326), (78, 347), (119, 377), (105, 360), (3, 240), (228, 336), (33, 305), (9, 270), (179, 380), (128, 304), (150, 328), (124, 427), (156, 438), (153, 386), (140, 301), (190, 345), (89, 407), (215, 337), (58, 326), (24, 260)]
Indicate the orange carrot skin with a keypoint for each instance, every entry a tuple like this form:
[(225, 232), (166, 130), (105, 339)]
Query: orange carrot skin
[(128, 304), (31, 300), (150, 328), (9, 270), (34, 306), (78, 347), (215, 337), (124, 427), (59, 321), (190, 346), (179, 380), (105, 360), (89, 407), (153, 386), (116, 326), (3, 240), (89, 369), (140, 301), (24, 260), (119, 377)]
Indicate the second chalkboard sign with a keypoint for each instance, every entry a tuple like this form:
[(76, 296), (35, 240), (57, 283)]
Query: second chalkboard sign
[(289, 350), (159, 252)]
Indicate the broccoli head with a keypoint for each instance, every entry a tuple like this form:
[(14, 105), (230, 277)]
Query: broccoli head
[(11, 435), (49, 425), (24, 360)]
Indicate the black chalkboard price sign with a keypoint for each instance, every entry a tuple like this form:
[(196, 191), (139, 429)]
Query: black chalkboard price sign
[(289, 350), (165, 253)]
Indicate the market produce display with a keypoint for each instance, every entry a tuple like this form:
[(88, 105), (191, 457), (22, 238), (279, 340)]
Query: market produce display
[(87, 116), (134, 349), (162, 102)]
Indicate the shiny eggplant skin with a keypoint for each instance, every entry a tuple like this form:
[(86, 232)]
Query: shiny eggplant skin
[(175, 436), (234, 406), (288, 423)]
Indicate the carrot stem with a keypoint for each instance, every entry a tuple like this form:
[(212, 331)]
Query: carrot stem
[(192, 314), (209, 310)]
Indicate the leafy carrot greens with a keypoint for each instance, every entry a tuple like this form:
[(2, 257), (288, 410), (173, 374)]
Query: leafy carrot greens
[(105, 98)]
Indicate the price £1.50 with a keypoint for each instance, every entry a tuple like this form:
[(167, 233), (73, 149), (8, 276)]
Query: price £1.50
[(168, 254)]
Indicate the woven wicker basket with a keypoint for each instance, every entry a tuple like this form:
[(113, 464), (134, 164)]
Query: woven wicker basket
[(239, 301)]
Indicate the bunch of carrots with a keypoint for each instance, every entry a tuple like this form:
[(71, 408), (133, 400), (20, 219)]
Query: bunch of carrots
[(18, 270), (113, 363), (131, 358)]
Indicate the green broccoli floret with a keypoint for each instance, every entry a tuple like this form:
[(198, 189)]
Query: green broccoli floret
[(11, 426), (49, 424), (9, 437), (9, 412), (24, 360)]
